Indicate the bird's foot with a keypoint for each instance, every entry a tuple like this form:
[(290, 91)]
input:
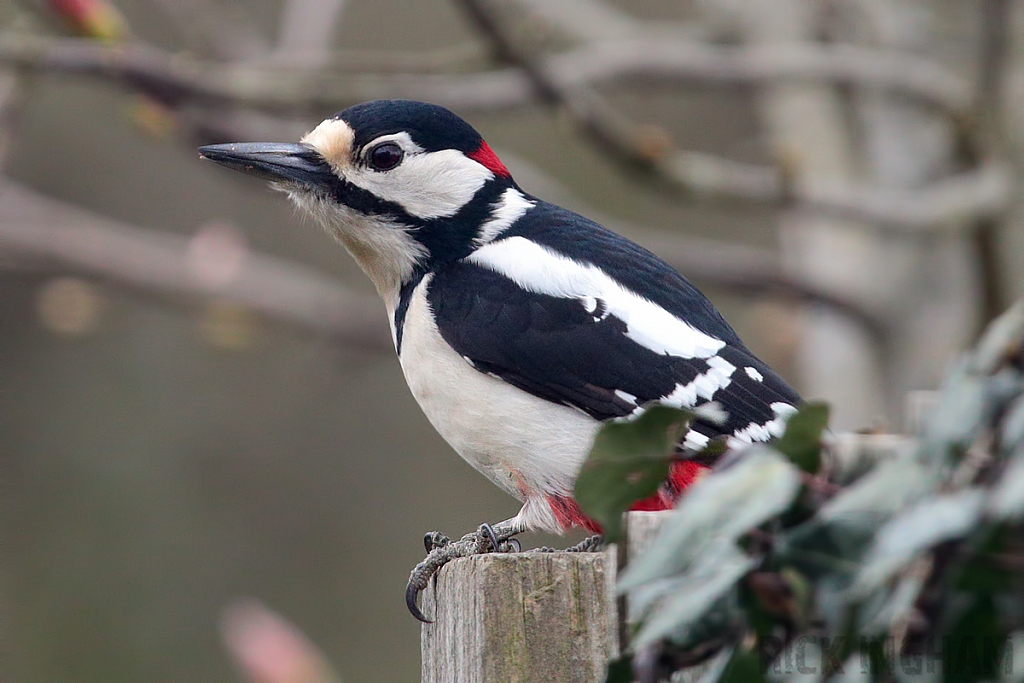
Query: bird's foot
[(441, 550), (435, 539), (591, 544)]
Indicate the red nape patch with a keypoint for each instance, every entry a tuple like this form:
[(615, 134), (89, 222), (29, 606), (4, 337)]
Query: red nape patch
[(486, 157), (568, 514)]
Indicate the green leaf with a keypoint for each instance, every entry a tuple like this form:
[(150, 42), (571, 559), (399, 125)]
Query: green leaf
[(959, 414), (704, 587), (628, 462), (716, 510), (744, 667), (901, 539), (1013, 425), (887, 607), (714, 669), (835, 540), (972, 649), (985, 569), (713, 450), (1000, 338), (620, 670), (801, 442), (1007, 501), (887, 488), (771, 599)]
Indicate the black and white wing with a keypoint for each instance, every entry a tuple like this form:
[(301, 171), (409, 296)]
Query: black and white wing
[(570, 332)]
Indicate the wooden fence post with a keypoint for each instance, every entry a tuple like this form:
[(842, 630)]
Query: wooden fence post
[(526, 617), (520, 618)]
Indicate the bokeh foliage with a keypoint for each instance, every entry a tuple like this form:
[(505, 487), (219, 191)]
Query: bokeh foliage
[(798, 560)]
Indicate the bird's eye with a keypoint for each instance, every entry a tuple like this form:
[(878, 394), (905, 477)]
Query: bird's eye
[(385, 156)]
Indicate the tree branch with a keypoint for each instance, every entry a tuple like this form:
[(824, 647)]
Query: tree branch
[(43, 233), (990, 138), (284, 88), (943, 205), (306, 31), (560, 78), (746, 270)]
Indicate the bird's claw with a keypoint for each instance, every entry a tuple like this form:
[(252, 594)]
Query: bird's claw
[(590, 544), (486, 531), (435, 539), (441, 550)]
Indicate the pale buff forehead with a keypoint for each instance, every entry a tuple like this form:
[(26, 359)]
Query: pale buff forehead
[(333, 139)]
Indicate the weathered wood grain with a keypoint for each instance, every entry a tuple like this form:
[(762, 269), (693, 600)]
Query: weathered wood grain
[(521, 618), (641, 530), (527, 616)]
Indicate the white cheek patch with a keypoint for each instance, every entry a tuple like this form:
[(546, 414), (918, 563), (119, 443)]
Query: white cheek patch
[(540, 270), (511, 207), (427, 184)]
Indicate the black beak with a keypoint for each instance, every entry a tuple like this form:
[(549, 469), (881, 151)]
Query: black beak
[(278, 161)]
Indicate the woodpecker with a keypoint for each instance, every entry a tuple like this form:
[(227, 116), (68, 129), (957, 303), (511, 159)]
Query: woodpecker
[(520, 326)]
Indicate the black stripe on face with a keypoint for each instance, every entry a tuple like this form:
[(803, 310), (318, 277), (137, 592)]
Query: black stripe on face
[(445, 239), (366, 202), (453, 238)]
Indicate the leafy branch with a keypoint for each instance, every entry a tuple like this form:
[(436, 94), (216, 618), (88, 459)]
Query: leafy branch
[(785, 561)]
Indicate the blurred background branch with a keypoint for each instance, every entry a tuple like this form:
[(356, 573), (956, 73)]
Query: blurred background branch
[(840, 176), (336, 80), (38, 234), (316, 79)]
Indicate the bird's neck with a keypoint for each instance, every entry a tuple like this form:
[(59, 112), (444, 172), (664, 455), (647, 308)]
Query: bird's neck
[(388, 259), (384, 249)]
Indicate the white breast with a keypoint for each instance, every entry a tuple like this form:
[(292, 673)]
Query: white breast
[(528, 446)]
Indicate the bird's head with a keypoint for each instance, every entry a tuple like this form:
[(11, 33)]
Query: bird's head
[(404, 185)]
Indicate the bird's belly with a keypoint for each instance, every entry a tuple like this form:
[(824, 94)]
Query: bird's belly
[(530, 447)]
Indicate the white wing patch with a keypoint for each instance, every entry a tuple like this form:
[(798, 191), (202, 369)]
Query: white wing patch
[(756, 432), (626, 396), (507, 210), (718, 376), (694, 440), (542, 271), (753, 374)]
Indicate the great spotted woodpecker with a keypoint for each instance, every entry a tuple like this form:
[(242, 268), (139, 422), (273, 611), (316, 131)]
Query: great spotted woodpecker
[(520, 326)]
